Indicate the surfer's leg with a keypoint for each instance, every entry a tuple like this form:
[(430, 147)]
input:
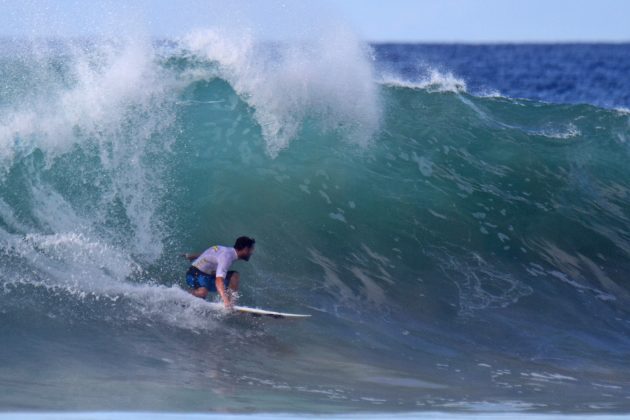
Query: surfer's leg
[(197, 282), (234, 278), (200, 292), (232, 284)]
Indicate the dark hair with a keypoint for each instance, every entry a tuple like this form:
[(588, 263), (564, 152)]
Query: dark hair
[(244, 242)]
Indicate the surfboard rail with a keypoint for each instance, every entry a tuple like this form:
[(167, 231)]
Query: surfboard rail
[(258, 312)]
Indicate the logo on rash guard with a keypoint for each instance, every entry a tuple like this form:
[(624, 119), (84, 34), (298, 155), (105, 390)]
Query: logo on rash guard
[(216, 248)]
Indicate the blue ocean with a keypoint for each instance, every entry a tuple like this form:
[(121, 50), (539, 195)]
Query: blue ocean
[(455, 218)]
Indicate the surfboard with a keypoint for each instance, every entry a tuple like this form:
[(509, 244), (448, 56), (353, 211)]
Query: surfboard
[(257, 312)]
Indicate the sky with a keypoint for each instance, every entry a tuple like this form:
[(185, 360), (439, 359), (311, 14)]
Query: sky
[(490, 20), (473, 21)]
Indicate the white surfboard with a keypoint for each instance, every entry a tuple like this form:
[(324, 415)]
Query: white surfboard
[(257, 312)]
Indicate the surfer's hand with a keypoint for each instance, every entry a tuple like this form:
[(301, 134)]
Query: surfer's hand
[(229, 305)]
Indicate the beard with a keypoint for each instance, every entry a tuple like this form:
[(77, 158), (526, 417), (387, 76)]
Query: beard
[(246, 257)]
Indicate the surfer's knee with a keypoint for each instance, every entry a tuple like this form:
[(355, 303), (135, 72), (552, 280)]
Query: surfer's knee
[(200, 292)]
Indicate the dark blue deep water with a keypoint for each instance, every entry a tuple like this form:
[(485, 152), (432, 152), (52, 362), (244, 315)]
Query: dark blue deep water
[(594, 74)]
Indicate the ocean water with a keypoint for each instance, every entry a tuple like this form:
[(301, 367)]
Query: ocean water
[(455, 218)]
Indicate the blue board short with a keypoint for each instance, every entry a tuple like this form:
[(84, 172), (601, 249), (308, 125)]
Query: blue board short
[(196, 278)]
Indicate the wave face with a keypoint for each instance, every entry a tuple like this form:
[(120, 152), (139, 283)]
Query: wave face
[(457, 251)]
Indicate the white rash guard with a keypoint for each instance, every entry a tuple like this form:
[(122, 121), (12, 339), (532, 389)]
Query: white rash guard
[(216, 259)]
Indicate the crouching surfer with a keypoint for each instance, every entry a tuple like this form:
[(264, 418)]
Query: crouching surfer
[(210, 271)]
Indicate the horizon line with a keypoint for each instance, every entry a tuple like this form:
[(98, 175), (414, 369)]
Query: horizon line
[(369, 41)]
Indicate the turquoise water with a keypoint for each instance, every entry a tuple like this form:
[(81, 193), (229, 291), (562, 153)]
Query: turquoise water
[(418, 415), (458, 252)]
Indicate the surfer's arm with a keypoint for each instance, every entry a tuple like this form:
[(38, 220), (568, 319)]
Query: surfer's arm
[(220, 273), (221, 289), (191, 257)]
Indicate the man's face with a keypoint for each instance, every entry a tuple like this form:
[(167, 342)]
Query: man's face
[(249, 252)]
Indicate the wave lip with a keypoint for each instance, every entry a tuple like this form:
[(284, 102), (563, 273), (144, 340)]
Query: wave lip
[(328, 79), (432, 81)]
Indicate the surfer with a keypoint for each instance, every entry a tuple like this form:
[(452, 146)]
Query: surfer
[(209, 270)]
